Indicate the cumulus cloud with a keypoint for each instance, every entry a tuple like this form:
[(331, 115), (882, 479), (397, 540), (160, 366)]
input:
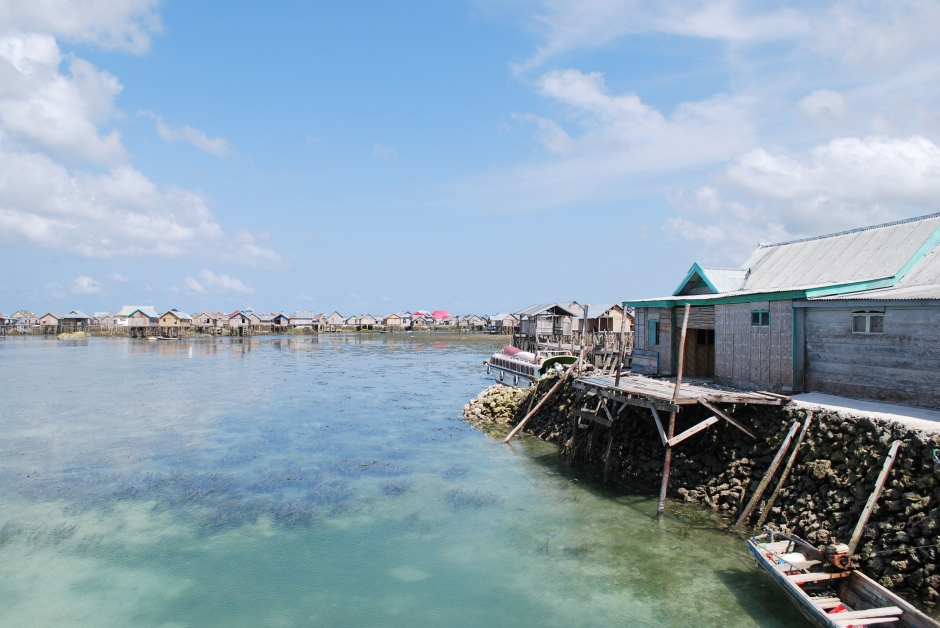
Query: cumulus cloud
[(126, 25), (217, 146), (86, 285), (43, 109), (823, 105), (209, 280), (117, 213), (843, 184), (847, 182), (66, 182)]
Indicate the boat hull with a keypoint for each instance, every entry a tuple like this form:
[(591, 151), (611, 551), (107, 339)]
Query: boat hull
[(856, 592)]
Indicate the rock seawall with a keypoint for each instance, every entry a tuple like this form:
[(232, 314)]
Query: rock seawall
[(821, 500)]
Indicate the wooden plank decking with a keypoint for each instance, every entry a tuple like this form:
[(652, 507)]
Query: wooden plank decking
[(639, 390)]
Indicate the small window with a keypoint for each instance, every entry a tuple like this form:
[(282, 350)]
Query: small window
[(760, 318), (654, 333), (868, 323)]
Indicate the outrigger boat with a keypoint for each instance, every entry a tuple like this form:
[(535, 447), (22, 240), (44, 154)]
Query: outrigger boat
[(826, 589), (514, 367)]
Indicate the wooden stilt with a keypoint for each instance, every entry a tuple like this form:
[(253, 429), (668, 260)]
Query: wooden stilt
[(561, 380), (610, 446), (873, 498), (667, 463), (786, 471), (767, 476)]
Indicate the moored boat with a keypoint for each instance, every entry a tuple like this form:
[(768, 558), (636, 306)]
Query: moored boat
[(514, 367), (826, 589)]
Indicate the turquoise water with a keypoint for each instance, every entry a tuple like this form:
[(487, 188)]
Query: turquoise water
[(331, 482)]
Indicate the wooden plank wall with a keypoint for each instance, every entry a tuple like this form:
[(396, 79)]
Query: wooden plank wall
[(901, 365), (754, 357)]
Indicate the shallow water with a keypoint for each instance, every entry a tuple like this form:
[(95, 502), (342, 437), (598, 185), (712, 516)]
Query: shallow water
[(303, 481)]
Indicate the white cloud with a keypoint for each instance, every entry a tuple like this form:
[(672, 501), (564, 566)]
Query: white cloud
[(567, 25), (385, 152), (217, 146), (125, 25), (195, 286), (843, 184), (54, 290), (726, 231), (548, 133), (823, 105), (118, 277), (118, 213), (86, 285), (303, 296), (847, 182), (40, 108), (208, 280), (66, 182)]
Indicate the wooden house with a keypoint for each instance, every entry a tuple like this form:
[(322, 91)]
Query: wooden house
[(143, 322), (472, 322), (366, 322), (393, 322), (23, 321), (76, 320), (855, 313), (49, 323), (175, 324), (206, 323), (305, 319), (335, 321), (503, 323), (239, 323), (546, 321)]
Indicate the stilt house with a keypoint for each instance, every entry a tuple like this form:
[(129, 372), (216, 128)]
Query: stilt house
[(855, 313)]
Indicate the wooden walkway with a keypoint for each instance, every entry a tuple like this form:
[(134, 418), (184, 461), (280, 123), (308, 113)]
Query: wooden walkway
[(647, 392)]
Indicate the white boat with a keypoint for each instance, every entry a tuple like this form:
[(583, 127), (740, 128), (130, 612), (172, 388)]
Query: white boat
[(826, 589), (514, 367)]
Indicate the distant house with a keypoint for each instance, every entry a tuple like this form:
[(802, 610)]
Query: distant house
[(49, 323), (604, 317), (143, 322), (855, 313), (472, 322), (207, 323), (305, 319), (23, 321), (175, 324), (503, 323), (76, 320), (239, 323), (393, 322), (366, 321), (546, 321), (335, 321)]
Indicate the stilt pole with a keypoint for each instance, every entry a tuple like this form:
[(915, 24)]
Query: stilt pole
[(672, 415)]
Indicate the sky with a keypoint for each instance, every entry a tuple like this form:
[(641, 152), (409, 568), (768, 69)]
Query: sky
[(470, 155)]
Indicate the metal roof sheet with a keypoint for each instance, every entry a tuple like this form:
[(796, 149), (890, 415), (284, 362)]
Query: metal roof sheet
[(726, 279), (920, 283), (867, 254)]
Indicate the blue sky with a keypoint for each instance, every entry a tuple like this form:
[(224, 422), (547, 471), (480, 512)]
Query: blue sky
[(474, 155)]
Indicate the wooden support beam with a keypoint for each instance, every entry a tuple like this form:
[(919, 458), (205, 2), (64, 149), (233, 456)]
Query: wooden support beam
[(659, 426), (873, 498), (745, 515), (695, 429), (726, 417), (561, 380), (786, 470)]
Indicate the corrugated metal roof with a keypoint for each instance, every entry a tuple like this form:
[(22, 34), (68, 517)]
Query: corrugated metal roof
[(920, 283), (533, 310), (77, 314), (852, 256), (726, 279)]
